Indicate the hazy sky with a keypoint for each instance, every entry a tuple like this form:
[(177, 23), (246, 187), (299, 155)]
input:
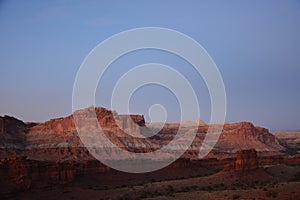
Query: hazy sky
[(255, 44)]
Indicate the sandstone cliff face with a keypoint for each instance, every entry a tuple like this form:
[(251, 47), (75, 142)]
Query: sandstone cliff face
[(53, 151), (58, 139), (246, 160), (274, 160), (289, 139), (62, 132), (245, 135), (20, 173)]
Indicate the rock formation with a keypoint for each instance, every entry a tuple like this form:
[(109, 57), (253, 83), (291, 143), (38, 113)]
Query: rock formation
[(52, 151), (246, 160), (58, 138), (245, 135), (12, 132), (289, 139)]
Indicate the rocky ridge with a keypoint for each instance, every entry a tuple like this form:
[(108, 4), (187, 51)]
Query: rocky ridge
[(58, 138), (289, 139)]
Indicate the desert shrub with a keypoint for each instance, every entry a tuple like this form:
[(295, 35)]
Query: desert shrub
[(17, 190), (240, 185), (170, 189), (209, 188), (296, 177), (194, 187), (106, 187), (125, 197), (235, 196), (291, 151), (185, 189), (271, 193), (220, 186), (157, 193), (144, 194)]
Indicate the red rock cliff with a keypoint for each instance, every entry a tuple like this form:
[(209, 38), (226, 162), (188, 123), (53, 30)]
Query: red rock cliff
[(246, 160)]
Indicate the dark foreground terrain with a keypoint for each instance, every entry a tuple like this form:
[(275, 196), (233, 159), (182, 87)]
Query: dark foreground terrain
[(245, 177)]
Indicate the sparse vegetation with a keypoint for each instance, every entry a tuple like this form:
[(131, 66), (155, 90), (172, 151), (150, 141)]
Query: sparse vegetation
[(271, 193), (291, 151), (170, 189), (125, 197), (296, 177), (144, 194), (17, 190)]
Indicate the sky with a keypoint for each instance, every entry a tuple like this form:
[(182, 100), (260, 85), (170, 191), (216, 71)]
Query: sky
[(255, 44)]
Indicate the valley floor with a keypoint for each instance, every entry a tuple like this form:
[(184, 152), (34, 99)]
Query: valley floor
[(273, 182)]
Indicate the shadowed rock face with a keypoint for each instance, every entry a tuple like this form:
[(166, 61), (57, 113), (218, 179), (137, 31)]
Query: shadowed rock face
[(2, 128), (20, 173), (12, 133)]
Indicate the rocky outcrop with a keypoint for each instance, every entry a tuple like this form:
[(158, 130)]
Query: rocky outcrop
[(289, 139), (244, 135), (21, 173), (131, 122), (12, 133), (106, 119), (62, 132), (246, 160), (58, 138), (52, 151), (282, 159), (2, 127)]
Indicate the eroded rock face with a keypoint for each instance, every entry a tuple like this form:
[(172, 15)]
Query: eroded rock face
[(244, 135), (289, 139), (21, 173), (62, 132), (58, 138), (12, 133), (53, 151), (2, 128), (246, 160), (106, 119)]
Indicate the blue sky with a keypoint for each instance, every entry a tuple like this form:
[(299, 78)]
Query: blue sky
[(255, 44)]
